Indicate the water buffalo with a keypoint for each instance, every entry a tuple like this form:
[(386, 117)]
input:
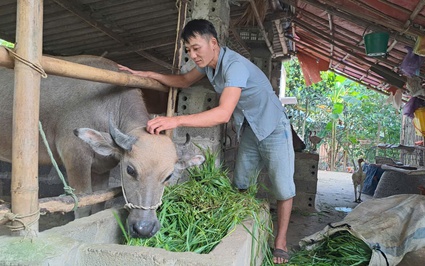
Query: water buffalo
[(109, 123)]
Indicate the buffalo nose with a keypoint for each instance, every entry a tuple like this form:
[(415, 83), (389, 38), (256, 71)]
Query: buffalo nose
[(145, 229)]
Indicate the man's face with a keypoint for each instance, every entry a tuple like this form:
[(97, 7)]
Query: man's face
[(203, 50)]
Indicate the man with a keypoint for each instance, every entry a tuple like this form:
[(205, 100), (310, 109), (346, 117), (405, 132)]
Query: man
[(260, 120)]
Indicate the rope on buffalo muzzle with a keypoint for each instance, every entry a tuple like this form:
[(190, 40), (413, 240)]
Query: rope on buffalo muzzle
[(35, 66), (68, 190), (129, 206)]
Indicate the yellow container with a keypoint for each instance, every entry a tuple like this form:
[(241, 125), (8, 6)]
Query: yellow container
[(419, 121), (419, 48)]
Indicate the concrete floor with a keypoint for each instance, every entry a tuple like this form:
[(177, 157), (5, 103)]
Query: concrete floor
[(334, 199)]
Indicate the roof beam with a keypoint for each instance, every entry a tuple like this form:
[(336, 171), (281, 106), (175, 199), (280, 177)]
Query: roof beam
[(361, 71), (281, 36), (235, 34), (331, 30), (361, 82), (279, 29), (261, 26), (326, 56), (399, 8), (359, 18), (322, 36), (76, 10), (414, 13), (322, 21), (342, 31)]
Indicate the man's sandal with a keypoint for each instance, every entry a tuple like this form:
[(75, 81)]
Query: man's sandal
[(280, 253)]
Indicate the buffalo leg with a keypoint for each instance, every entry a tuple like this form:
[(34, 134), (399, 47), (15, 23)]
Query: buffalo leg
[(79, 177), (99, 182)]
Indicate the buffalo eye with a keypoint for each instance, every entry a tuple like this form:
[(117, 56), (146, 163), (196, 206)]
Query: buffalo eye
[(168, 178), (131, 171)]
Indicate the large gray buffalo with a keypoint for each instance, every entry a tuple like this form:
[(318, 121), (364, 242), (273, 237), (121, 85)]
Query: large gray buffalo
[(109, 123)]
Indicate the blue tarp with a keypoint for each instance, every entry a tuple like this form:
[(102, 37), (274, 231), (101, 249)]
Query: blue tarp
[(373, 175)]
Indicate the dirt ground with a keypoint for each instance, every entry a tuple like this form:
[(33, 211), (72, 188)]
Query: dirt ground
[(334, 200)]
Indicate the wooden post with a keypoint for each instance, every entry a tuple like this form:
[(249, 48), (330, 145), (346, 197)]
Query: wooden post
[(178, 52), (24, 186)]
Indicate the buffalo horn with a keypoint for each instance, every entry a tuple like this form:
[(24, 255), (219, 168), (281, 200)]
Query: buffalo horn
[(124, 141), (182, 147), (187, 139)]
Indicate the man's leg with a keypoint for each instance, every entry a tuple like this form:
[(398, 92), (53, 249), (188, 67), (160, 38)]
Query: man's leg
[(284, 208), (278, 154), (248, 161)]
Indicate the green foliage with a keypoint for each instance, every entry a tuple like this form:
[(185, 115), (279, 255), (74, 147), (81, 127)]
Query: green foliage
[(196, 215), (342, 112), (341, 248)]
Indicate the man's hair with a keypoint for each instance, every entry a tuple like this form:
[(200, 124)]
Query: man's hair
[(198, 26)]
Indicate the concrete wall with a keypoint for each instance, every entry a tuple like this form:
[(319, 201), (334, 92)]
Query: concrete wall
[(195, 100), (305, 178), (95, 241)]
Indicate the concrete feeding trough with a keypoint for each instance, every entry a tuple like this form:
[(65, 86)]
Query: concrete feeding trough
[(95, 240)]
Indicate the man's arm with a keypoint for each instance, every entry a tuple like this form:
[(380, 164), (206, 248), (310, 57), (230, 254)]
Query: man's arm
[(215, 116), (177, 81)]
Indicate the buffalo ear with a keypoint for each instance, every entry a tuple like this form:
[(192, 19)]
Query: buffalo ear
[(100, 142), (186, 163), (187, 157)]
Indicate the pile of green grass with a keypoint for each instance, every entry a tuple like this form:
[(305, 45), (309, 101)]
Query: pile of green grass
[(197, 214), (341, 248)]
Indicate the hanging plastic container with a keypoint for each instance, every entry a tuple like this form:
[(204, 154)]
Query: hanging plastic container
[(419, 121), (376, 43), (419, 48)]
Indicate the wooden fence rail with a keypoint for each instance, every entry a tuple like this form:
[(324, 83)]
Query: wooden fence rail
[(66, 203)]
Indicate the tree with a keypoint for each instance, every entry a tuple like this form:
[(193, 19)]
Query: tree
[(350, 118)]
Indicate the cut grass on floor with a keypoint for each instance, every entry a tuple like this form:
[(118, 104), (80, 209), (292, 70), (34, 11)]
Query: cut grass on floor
[(339, 249)]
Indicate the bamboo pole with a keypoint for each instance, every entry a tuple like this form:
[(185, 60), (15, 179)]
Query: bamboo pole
[(66, 203), (261, 26), (178, 52), (55, 66), (24, 183)]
